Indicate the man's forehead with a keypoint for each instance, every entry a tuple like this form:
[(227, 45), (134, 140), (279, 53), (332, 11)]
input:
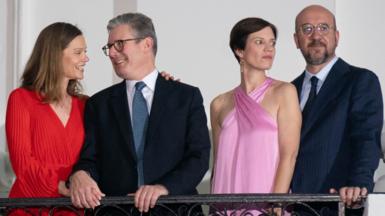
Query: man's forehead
[(315, 18), (120, 32), (315, 13)]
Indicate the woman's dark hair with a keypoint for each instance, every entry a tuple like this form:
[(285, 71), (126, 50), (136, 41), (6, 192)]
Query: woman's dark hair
[(243, 29)]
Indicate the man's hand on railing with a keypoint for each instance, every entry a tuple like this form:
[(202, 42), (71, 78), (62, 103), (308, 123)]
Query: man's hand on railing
[(351, 196), (84, 191), (147, 195)]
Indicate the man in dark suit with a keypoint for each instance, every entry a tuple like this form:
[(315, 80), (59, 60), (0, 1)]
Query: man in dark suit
[(144, 136), (342, 114)]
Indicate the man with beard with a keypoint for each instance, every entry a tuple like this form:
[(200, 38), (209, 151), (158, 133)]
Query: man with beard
[(342, 115)]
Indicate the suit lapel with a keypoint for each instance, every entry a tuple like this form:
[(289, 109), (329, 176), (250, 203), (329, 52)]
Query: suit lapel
[(119, 106), (327, 96), (161, 94)]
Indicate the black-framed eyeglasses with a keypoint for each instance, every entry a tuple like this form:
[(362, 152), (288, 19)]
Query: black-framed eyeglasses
[(118, 45), (322, 28)]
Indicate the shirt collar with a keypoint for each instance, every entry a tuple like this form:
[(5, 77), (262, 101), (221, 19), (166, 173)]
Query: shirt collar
[(149, 80), (323, 73)]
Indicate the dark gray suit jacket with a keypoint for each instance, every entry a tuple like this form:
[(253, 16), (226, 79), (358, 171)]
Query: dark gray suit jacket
[(177, 148)]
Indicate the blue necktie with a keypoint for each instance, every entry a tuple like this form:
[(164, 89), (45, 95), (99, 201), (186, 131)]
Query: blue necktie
[(311, 98), (139, 123)]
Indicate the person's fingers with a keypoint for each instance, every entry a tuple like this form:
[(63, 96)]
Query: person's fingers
[(62, 189), (278, 211), (76, 200), (87, 198), (137, 196), (356, 194), (153, 200), (84, 191), (160, 190), (90, 200), (364, 191), (142, 198), (94, 198), (83, 200), (165, 75), (140, 201), (342, 193), (67, 192), (97, 193), (147, 195), (332, 190), (349, 195), (147, 200)]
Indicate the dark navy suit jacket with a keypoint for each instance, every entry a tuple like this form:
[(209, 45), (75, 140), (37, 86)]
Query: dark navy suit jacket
[(340, 139), (177, 148)]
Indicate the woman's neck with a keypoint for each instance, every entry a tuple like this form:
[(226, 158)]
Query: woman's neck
[(64, 96), (251, 79)]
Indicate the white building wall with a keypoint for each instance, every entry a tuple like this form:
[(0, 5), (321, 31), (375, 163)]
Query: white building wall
[(3, 53), (3, 9)]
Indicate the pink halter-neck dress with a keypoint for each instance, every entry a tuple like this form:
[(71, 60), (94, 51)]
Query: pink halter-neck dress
[(247, 155)]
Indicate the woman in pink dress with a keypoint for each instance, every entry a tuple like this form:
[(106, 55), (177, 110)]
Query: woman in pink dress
[(256, 126)]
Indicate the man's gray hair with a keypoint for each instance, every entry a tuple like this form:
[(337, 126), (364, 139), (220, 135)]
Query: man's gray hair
[(141, 25)]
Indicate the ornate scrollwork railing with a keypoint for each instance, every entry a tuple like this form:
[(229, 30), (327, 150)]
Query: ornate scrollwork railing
[(206, 204)]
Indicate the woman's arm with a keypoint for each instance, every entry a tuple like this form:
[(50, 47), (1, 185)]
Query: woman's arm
[(215, 129), (37, 178), (289, 128)]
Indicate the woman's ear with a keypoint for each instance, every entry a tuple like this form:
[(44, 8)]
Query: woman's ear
[(239, 53)]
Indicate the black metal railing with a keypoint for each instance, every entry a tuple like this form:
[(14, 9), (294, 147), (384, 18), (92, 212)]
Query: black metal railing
[(205, 204)]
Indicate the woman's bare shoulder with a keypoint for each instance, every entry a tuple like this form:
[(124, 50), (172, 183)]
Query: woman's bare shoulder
[(222, 100), (282, 88)]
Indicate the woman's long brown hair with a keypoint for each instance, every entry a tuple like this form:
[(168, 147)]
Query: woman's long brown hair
[(44, 69)]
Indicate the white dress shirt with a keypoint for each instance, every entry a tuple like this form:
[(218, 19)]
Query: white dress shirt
[(321, 75), (147, 91)]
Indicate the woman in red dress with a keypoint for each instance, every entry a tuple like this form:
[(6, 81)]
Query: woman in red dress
[(44, 120)]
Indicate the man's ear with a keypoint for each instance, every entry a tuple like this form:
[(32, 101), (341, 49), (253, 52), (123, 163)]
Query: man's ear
[(337, 35), (295, 36), (148, 43)]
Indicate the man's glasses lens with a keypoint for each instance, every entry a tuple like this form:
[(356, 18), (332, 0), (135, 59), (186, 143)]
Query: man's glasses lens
[(118, 45), (322, 28)]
